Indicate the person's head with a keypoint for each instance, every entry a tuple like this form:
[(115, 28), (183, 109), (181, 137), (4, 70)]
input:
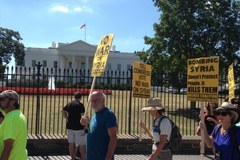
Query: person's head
[(154, 107), (227, 113), (213, 105), (97, 100), (236, 102), (9, 100), (210, 108), (1, 116), (226, 99), (78, 96)]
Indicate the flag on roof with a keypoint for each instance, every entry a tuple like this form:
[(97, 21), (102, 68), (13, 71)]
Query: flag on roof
[(83, 26)]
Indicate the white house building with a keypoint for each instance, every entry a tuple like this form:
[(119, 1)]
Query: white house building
[(76, 55)]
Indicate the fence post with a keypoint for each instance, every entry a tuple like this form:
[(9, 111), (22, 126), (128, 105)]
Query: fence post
[(130, 102), (38, 98)]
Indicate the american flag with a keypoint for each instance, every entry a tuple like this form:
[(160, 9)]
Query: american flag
[(83, 26)]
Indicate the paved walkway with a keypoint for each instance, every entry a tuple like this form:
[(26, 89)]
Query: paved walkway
[(126, 157)]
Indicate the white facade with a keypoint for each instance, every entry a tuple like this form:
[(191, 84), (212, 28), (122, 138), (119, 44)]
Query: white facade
[(76, 55)]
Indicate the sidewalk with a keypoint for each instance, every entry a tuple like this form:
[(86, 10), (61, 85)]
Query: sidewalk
[(125, 157)]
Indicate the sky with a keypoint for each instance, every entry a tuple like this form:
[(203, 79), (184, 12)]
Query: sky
[(41, 22)]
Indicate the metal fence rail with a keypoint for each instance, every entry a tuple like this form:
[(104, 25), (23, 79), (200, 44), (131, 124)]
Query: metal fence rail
[(42, 105)]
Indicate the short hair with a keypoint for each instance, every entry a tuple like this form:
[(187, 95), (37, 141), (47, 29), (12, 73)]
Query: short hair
[(1, 114), (78, 95), (99, 94), (161, 111), (16, 104)]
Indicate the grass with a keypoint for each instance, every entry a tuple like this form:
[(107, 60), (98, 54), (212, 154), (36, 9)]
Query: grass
[(51, 121)]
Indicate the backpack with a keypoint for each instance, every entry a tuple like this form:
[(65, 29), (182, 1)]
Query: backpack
[(175, 137)]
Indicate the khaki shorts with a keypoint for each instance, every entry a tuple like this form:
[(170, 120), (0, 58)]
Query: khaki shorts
[(164, 154), (78, 137)]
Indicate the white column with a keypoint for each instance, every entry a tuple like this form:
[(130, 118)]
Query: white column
[(73, 62), (61, 62), (86, 63)]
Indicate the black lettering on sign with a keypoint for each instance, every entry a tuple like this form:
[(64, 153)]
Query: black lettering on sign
[(203, 61), (138, 83), (194, 83), (202, 69), (142, 66), (135, 89), (105, 40), (98, 65), (144, 91), (209, 89), (145, 84), (193, 89), (142, 77)]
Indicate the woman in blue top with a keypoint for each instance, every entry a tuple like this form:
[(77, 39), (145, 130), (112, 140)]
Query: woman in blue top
[(225, 138)]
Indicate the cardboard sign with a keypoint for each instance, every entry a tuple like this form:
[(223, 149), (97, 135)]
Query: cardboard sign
[(101, 55), (231, 82), (141, 85), (202, 79)]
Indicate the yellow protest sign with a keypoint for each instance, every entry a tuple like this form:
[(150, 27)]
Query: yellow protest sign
[(101, 55), (141, 85), (231, 82), (202, 79)]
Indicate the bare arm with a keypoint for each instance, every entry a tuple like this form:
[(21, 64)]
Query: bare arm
[(65, 114), (112, 132), (146, 129), (8, 145), (209, 140), (213, 120), (162, 142), (85, 121)]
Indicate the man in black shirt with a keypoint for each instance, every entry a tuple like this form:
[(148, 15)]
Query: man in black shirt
[(73, 112)]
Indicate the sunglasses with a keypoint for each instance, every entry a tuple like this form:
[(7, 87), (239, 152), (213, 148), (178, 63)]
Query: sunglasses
[(222, 113)]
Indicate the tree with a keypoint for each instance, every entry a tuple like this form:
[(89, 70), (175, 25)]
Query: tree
[(192, 29), (10, 45)]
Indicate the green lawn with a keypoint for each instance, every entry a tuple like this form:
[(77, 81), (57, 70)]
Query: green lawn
[(52, 122)]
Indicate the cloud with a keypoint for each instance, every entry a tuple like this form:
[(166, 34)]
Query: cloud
[(64, 9), (83, 9), (60, 8)]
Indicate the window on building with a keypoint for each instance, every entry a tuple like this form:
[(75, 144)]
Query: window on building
[(33, 63), (55, 64), (44, 63), (119, 67), (128, 67), (70, 65), (109, 66), (82, 65)]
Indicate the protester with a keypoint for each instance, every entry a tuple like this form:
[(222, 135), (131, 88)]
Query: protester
[(226, 99), (210, 119), (236, 102), (161, 148), (13, 137), (225, 138), (1, 116), (102, 136), (73, 112)]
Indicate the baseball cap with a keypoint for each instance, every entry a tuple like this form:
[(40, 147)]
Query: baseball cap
[(9, 94)]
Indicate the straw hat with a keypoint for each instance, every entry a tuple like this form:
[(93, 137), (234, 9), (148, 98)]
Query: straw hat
[(229, 107), (153, 104)]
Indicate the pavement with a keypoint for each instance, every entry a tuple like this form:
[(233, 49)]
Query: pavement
[(127, 157)]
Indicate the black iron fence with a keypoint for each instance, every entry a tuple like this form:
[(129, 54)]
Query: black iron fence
[(44, 92)]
